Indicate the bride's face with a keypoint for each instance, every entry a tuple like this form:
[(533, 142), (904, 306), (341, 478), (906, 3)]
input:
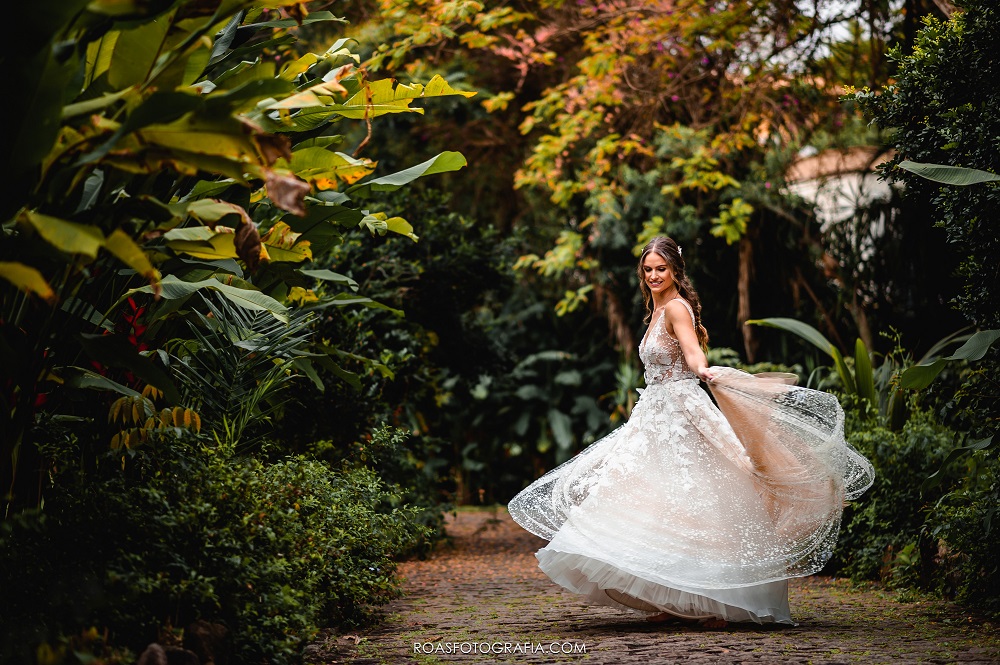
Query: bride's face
[(657, 273)]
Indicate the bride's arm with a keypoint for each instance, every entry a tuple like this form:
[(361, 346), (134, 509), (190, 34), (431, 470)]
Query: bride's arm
[(680, 321)]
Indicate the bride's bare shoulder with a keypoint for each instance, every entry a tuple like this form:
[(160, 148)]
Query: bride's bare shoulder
[(677, 307)]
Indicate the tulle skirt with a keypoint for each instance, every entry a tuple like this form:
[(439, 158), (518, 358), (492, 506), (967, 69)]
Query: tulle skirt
[(698, 511)]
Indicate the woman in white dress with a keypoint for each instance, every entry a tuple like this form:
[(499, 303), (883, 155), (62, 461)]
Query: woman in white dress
[(690, 511)]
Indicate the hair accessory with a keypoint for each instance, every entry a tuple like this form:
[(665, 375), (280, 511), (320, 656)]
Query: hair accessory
[(680, 251)]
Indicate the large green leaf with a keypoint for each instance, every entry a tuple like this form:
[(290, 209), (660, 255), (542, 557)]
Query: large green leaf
[(803, 330), (938, 346), (920, 376), (313, 17), (863, 374), (949, 175), (330, 276), (442, 163), (173, 288), (977, 346), (345, 299), (78, 377), (562, 430), (136, 51), (814, 337)]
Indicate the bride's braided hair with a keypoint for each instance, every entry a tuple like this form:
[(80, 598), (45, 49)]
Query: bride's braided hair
[(671, 253)]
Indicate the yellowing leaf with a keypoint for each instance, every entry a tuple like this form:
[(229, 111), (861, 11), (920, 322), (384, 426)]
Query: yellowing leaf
[(325, 168), (292, 69), (219, 246), (66, 236), (439, 87), (224, 138), (26, 279), (320, 94), (119, 244), (400, 226), (283, 244), (301, 296), (99, 53), (209, 211)]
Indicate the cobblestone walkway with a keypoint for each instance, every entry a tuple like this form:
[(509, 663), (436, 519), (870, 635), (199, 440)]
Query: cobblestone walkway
[(485, 596)]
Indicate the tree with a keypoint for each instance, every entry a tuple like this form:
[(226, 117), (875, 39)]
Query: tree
[(942, 107), (676, 116), (159, 151)]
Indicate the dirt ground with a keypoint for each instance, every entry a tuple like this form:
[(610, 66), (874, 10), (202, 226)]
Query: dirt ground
[(482, 599)]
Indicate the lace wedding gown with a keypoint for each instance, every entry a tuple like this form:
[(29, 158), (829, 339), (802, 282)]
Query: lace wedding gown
[(696, 511)]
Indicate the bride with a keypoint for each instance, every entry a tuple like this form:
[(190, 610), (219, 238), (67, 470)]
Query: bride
[(690, 511)]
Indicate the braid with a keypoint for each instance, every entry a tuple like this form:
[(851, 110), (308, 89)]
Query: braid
[(687, 292), (671, 253)]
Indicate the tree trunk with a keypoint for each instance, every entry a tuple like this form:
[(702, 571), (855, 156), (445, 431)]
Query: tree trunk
[(618, 325), (750, 343), (861, 321), (946, 7)]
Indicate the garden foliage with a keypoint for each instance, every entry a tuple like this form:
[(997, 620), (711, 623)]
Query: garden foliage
[(271, 550), (178, 172), (942, 107)]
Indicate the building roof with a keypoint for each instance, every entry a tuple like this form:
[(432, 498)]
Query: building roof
[(859, 159)]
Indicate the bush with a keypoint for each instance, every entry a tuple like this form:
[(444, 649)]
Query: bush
[(967, 546), (942, 108), (884, 534), (412, 465), (271, 550)]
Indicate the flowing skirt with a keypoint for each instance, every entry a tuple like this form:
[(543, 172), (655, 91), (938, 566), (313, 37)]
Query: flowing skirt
[(697, 511)]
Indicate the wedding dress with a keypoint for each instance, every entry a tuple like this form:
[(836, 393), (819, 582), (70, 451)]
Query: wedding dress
[(693, 510)]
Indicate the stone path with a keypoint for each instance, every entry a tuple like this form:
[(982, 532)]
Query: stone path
[(483, 600)]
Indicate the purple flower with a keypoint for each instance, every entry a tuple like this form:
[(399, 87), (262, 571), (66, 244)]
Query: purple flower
[(675, 98)]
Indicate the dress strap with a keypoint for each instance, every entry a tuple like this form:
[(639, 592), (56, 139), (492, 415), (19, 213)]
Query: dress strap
[(689, 309)]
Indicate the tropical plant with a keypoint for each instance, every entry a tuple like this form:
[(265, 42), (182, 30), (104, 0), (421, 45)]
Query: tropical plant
[(941, 108), (234, 370), (949, 175), (882, 389), (185, 146)]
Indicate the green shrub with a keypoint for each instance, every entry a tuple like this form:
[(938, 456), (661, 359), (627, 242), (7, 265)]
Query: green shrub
[(883, 534), (942, 110), (965, 523), (412, 465), (272, 550)]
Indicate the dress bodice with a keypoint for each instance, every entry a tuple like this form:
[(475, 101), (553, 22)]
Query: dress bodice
[(661, 353)]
